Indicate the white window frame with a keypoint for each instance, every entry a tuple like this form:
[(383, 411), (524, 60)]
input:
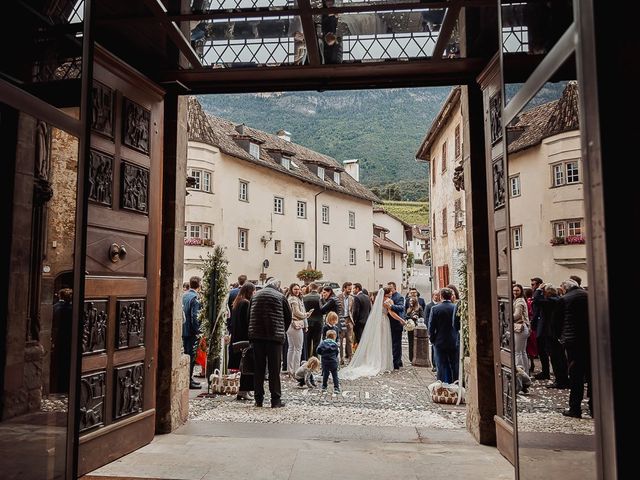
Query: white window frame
[(352, 256), (514, 186), (559, 228), (336, 177), (298, 251), (574, 228), (572, 172), (352, 219), (197, 174), (286, 162), (206, 181), (278, 205), (243, 190), (367, 255), (393, 261), (321, 172), (277, 246), (194, 230), (380, 258), (557, 174), (254, 150), (326, 253), (301, 209), (516, 237), (566, 172), (325, 214), (206, 232), (243, 239)]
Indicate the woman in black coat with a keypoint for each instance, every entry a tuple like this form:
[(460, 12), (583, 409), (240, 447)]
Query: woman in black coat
[(239, 324)]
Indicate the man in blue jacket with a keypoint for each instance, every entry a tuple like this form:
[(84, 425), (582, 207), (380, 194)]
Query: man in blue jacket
[(444, 326), (191, 325), (396, 327)]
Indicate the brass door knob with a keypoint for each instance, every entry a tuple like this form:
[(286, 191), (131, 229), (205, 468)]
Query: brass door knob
[(117, 252)]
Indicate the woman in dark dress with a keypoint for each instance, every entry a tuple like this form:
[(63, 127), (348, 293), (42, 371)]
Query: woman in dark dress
[(240, 331)]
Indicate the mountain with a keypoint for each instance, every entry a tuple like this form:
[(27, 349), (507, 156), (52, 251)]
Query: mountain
[(383, 128)]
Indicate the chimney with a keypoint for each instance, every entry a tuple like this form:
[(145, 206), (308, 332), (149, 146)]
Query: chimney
[(352, 167), (284, 135), (240, 129)]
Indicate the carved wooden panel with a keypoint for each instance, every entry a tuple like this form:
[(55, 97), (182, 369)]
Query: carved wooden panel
[(499, 185), (92, 396), (131, 319), (502, 246), (507, 394), (100, 260), (128, 398), (504, 326), (102, 110), (94, 326), (134, 187), (101, 178), (495, 117), (136, 125)]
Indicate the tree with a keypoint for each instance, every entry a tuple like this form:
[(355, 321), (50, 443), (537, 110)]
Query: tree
[(214, 305)]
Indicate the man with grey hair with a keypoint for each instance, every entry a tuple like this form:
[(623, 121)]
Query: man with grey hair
[(574, 318), (269, 319)]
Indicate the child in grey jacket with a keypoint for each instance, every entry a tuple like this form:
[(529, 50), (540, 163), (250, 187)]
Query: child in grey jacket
[(304, 373)]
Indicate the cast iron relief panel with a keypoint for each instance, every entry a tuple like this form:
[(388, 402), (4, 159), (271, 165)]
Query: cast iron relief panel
[(102, 111), (101, 178), (130, 323), (94, 326), (503, 323), (499, 185), (128, 392), (495, 117), (92, 394), (136, 125), (507, 394), (134, 187)]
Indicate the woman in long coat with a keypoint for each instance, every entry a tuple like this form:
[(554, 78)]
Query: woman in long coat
[(240, 332)]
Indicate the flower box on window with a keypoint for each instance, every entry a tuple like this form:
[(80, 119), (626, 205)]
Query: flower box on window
[(193, 241), (557, 241), (207, 242), (574, 240)]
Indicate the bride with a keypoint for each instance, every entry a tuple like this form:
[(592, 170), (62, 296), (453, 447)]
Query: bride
[(374, 353)]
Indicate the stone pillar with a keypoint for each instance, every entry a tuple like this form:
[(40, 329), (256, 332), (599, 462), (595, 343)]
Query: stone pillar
[(172, 393), (421, 346)]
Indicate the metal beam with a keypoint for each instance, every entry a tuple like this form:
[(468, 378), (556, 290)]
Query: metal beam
[(175, 34), (415, 73), (446, 29), (309, 30)]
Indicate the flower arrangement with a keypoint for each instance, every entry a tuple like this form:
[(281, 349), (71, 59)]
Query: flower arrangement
[(309, 275), (557, 241), (193, 241), (574, 240), (410, 326)]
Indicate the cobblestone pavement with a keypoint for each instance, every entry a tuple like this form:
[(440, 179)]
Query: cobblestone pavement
[(397, 398)]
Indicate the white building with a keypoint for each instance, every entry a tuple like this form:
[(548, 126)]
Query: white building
[(546, 198), (263, 197), (419, 244), (442, 148), (390, 234)]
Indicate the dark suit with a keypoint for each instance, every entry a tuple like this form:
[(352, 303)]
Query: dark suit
[(360, 313), (314, 335), (444, 326), (396, 330)]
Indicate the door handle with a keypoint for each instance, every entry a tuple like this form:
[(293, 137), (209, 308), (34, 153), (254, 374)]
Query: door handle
[(117, 252)]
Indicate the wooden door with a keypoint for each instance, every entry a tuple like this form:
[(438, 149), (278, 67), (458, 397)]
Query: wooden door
[(119, 339), (491, 84)]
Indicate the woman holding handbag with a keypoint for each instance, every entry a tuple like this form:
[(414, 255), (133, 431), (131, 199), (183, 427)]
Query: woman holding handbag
[(295, 332), (240, 332)]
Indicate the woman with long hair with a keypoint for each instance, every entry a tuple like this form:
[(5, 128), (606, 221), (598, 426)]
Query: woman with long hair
[(532, 343), (295, 332), (414, 312), (239, 323), (520, 327)]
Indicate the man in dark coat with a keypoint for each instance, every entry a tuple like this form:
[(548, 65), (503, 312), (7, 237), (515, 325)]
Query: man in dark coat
[(444, 326), (269, 319), (574, 313), (435, 299), (396, 327), (360, 310), (191, 325), (314, 333)]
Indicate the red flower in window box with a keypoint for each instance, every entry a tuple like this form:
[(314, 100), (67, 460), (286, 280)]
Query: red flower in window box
[(557, 241), (574, 240), (193, 241)]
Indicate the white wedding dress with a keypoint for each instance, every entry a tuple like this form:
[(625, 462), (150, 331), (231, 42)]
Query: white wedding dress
[(373, 355)]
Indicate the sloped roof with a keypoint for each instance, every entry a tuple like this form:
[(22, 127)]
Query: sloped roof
[(440, 122), (387, 244), (220, 133), (418, 235), (546, 120)]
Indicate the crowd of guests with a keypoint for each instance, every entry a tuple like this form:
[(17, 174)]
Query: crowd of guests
[(551, 324)]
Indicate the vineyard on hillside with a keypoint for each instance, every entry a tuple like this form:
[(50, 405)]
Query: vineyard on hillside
[(414, 213)]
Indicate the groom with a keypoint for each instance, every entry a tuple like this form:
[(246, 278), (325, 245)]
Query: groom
[(396, 303)]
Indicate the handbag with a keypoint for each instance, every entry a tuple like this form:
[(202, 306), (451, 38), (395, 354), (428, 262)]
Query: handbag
[(224, 384), (518, 327), (297, 324), (446, 392)]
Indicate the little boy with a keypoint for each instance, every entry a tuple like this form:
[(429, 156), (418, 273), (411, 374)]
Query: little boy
[(328, 350), (331, 324)]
